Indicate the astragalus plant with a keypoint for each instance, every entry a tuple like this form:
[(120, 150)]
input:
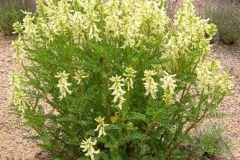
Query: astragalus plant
[(115, 80)]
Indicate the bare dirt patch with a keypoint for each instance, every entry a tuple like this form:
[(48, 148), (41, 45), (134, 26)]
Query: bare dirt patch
[(12, 144)]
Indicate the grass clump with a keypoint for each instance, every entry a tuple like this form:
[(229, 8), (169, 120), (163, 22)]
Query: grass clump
[(209, 143), (212, 141), (12, 11)]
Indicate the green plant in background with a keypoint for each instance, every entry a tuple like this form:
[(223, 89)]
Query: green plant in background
[(115, 80), (210, 141), (227, 21), (12, 11)]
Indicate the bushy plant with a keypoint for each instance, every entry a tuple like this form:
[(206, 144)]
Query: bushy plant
[(12, 11), (115, 80), (227, 21)]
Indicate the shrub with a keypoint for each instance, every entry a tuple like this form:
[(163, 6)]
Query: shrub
[(115, 80), (227, 21), (11, 11)]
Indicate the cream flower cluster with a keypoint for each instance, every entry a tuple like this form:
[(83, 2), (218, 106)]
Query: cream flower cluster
[(149, 83), (119, 83), (118, 92), (19, 51), (211, 78), (168, 85), (87, 146), (137, 22), (100, 127), (130, 73), (189, 32), (18, 95), (63, 84), (80, 75)]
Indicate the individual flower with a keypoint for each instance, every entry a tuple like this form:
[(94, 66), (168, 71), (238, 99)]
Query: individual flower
[(100, 126), (63, 84), (118, 92), (80, 75), (87, 146), (150, 85), (168, 85), (130, 74)]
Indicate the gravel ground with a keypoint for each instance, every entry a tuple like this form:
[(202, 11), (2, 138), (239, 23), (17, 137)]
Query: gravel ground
[(14, 147), (12, 144), (229, 56)]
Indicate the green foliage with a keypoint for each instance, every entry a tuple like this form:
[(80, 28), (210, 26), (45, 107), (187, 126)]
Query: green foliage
[(115, 80), (226, 18), (210, 141), (10, 12)]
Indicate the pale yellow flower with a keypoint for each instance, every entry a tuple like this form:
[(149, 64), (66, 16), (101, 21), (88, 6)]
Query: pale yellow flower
[(87, 146), (210, 77), (17, 26), (92, 18), (205, 79), (168, 85), (150, 85), (16, 80), (130, 74), (100, 126), (63, 84), (80, 75), (118, 92), (29, 27), (112, 19), (78, 21), (18, 96), (18, 99), (18, 50), (225, 84)]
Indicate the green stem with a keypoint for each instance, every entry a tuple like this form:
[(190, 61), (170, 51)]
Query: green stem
[(150, 127), (192, 126), (185, 91), (202, 116), (39, 89)]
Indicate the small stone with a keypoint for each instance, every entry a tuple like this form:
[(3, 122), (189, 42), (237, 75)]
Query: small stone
[(8, 59)]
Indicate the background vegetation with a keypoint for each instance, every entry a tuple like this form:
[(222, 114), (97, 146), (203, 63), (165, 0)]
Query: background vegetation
[(225, 14), (12, 11)]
